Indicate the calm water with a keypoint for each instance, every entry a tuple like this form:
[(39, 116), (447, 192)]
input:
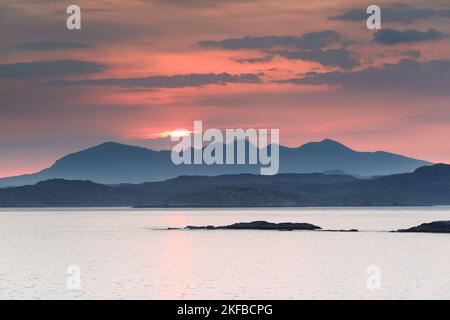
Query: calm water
[(122, 255)]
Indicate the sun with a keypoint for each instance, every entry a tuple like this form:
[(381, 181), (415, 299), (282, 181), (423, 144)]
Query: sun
[(179, 133), (175, 133)]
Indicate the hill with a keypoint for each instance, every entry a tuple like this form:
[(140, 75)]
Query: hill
[(112, 163), (425, 186)]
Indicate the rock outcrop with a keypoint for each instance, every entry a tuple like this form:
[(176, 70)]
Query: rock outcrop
[(259, 225), (432, 227)]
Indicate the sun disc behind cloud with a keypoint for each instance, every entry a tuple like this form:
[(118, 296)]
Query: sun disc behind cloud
[(175, 133)]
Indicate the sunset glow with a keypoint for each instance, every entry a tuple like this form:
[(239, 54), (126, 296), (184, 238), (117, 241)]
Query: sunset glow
[(175, 133), (137, 71)]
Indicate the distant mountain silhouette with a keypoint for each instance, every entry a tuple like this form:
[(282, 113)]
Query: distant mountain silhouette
[(112, 163), (329, 155), (426, 186)]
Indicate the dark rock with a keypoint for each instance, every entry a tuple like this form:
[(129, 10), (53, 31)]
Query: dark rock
[(259, 225), (200, 228), (432, 227), (264, 225), (350, 230)]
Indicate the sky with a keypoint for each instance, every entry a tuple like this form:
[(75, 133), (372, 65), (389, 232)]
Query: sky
[(138, 69)]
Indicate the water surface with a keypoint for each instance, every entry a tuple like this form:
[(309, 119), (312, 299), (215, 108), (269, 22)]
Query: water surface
[(123, 254)]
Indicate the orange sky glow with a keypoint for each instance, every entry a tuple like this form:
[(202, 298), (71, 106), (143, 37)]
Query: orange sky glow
[(150, 74)]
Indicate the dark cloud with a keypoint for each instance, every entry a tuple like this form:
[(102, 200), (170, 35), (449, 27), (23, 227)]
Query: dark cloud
[(312, 40), (402, 13), (410, 76), (254, 60), (48, 45), (317, 40), (176, 81), (392, 36), (330, 58), (48, 68)]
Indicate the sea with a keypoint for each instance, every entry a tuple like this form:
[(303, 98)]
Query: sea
[(126, 253)]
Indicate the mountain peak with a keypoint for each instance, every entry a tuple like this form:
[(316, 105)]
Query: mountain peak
[(109, 143), (327, 140), (107, 148), (112, 145), (331, 142), (326, 145)]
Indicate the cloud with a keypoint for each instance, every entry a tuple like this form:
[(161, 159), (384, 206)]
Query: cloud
[(317, 40), (312, 40), (253, 60), (176, 81), (410, 76), (330, 58), (412, 54), (199, 3), (48, 45), (48, 68), (392, 36), (401, 13)]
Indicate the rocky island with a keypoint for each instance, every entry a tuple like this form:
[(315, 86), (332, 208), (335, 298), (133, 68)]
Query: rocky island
[(258, 225), (432, 227), (262, 225)]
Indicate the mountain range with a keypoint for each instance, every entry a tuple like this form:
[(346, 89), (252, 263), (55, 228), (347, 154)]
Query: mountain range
[(428, 185), (115, 163)]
